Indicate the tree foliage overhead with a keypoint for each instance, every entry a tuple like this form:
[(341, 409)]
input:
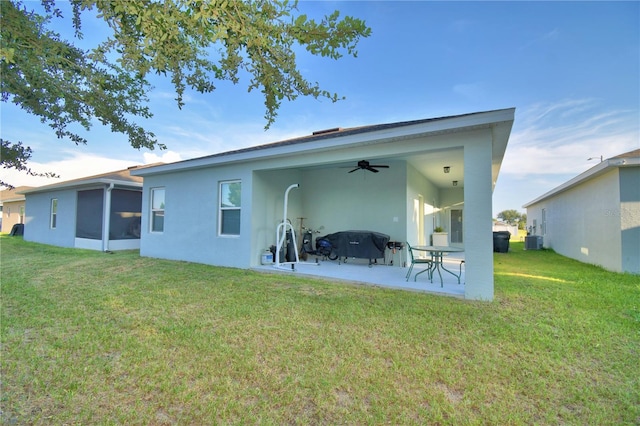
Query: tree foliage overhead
[(195, 43)]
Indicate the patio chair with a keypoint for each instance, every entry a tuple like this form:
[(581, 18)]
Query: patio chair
[(417, 261)]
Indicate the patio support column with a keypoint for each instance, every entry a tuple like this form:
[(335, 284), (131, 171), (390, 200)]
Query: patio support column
[(478, 237), (106, 218)]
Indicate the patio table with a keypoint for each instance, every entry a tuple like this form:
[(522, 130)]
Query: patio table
[(437, 252)]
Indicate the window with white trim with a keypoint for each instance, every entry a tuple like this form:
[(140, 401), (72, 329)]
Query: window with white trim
[(229, 208), (54, 213), (157, 210)]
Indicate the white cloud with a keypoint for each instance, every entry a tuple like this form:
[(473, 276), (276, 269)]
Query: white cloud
[(471, 91), (73, 166), (166, 157), (204, 138), (461, 25), (211, 137), (558, 138), (553, 34)]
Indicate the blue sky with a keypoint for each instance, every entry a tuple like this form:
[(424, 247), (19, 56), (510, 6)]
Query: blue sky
[(571, 70)]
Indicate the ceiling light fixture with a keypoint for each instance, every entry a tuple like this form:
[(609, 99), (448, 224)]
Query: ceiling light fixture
[(455, 183), (447, 169)]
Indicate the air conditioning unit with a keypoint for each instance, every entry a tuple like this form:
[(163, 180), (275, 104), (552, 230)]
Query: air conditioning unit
[(533, 242)]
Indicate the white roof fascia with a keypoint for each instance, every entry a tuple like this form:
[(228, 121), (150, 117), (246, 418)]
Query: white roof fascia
[(339, 141), (77, 184), (593, 172)]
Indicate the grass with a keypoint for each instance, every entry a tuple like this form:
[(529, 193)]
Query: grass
[(95, 338)]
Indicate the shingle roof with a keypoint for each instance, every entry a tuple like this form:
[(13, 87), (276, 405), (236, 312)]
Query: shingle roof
[(12, 194), (630, 154), (336, 132), (329, 134), (122, 177)]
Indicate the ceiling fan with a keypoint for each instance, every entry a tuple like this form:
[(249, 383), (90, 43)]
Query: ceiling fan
[(364, 165)]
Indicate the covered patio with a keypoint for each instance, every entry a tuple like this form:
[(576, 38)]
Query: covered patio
[(357, 271), (423, 176)]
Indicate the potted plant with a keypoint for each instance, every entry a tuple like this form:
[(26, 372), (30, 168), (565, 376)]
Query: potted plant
[(439, 237)]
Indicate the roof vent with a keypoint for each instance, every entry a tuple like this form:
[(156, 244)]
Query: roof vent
[(323, 132)]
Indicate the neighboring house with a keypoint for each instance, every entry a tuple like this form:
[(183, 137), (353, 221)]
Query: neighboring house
[(224, 209), (502, 226), (99, 212), (12, 207), (594, 217)]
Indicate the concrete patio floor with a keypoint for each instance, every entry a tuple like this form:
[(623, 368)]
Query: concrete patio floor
[(381, 275)]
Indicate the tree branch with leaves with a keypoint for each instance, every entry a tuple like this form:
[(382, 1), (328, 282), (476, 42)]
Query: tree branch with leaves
[(194, 43)]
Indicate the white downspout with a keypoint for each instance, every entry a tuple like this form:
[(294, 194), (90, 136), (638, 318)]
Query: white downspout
[(106, 223)]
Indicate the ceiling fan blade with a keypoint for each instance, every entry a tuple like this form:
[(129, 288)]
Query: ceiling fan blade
[(364, 165)]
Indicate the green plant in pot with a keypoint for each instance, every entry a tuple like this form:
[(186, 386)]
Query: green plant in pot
[(440, 237)]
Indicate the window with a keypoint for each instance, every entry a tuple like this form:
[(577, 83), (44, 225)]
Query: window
[(157, 209), (21, 218), (229, 217), (544, 222), (54, 212)]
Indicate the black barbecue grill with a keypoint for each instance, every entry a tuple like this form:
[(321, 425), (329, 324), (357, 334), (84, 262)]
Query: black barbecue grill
[(359, 244)]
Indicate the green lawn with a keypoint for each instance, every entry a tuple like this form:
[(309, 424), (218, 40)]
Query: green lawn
[(95, 338)]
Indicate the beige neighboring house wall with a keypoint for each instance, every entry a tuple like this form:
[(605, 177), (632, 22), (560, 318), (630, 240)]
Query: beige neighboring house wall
[(13, 207)]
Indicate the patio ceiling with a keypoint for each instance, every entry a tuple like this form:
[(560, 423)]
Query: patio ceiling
[(430, 164)]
